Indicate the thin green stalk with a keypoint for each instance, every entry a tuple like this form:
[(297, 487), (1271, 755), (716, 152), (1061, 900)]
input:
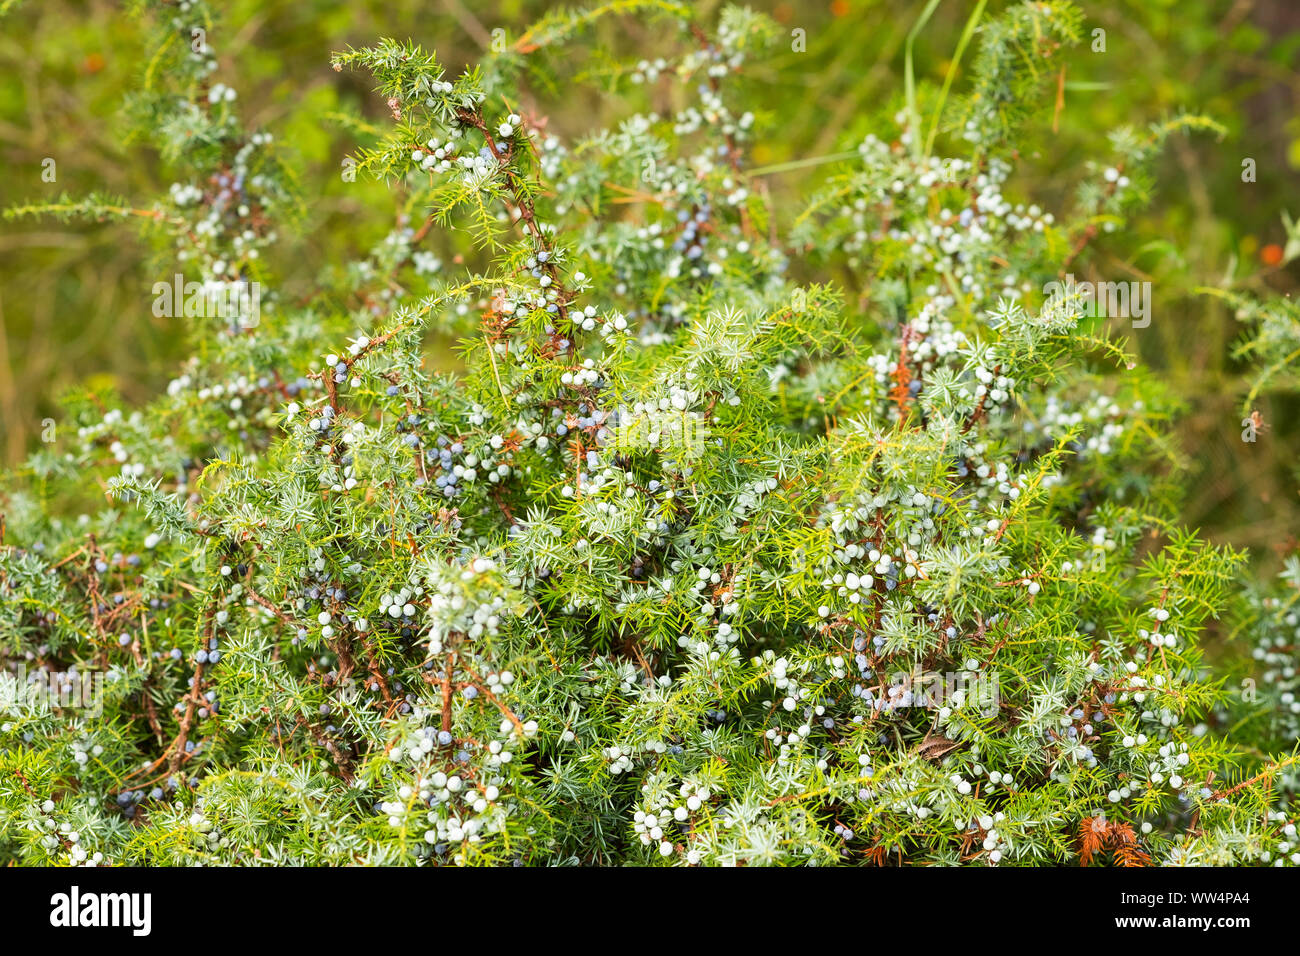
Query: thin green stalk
[(909, 76), (967, 33)]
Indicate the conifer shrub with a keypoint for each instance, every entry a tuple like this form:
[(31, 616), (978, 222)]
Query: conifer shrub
[(689, 558), (1268, 619)]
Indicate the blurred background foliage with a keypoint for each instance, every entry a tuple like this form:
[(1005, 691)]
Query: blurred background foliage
[(75, 299)]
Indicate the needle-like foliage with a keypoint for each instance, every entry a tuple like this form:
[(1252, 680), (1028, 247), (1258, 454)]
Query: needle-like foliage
[(686, 562)]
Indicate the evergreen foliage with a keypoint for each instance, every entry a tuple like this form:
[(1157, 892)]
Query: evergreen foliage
[(689, 562)]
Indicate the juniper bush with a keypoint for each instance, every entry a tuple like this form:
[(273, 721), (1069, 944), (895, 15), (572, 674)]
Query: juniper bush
[(689, 561)]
